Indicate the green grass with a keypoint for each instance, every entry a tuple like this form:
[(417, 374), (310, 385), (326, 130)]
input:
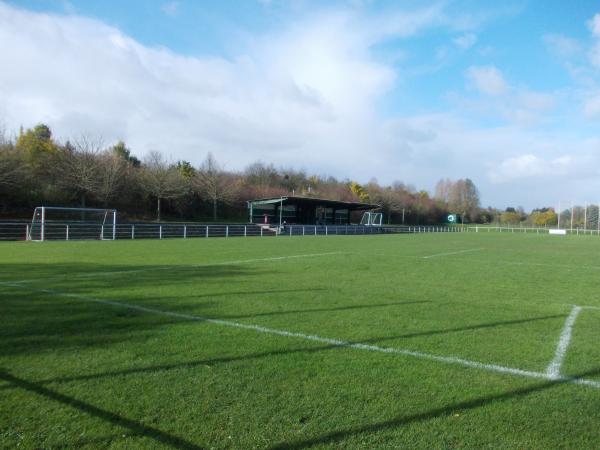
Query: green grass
[(75, 373)]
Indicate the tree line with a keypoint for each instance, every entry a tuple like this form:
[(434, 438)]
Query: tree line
[(36, 170)]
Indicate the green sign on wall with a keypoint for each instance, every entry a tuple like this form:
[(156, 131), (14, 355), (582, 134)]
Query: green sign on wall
[(452, 218)]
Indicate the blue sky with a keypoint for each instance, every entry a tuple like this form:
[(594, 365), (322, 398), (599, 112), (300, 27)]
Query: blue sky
[(505, 93)]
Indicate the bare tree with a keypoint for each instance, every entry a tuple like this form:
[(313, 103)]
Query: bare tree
[(464, 198), (443, 190), (388, 198), (161, 180), (113, 173), (79, 167), (213, 183)]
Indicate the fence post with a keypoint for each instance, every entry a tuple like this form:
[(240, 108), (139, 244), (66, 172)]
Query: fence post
[(206, 230), (185, 231), (67, 233), (291, 229), (261, 231), (325, 230), (245, 230), (27, 236), (226, 230), (132, 232), (160, 231), (303, 230)]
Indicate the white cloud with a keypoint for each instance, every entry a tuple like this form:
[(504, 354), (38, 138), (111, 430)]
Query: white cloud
[(529, 166), (561, 45), (536, 101), (306, 96), (171, 8), (591, 106), (488, 80), (594, 25), (465, 41)]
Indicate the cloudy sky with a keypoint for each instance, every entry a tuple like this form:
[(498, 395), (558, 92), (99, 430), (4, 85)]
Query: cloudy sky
[(505, 93)]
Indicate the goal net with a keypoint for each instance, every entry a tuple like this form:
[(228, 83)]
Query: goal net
[(57, 223), (372, 219)]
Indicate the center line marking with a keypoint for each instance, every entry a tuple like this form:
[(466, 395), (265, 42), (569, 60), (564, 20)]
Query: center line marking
[(553, 369), (453, 360), (453, 253)]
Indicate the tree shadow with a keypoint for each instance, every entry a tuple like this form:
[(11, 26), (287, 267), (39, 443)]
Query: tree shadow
[(399, 421), (274, 353), (33, 323), (136, 428), (480, 326), (88, 276), (316, 310)]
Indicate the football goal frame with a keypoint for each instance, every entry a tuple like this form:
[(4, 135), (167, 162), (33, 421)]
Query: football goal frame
[(372, 219), (58, 223)]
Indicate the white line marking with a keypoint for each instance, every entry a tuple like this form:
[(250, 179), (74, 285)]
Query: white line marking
[(453, 253), (596, 308), (148, 269), (331, 341), (553, 369)]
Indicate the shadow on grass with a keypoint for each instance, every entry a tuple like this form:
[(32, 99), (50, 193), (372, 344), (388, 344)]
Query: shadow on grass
[(74, 276), (335, 437), (36, 324), (330, 438), (108, 416), (229, 359), (480, 326), (35, 320), (317, 310)]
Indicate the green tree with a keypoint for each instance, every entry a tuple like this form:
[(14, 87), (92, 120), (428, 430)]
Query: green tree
[(121, 151)]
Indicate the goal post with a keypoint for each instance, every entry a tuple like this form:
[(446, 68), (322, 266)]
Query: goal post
[(372, 219), (59, 223)]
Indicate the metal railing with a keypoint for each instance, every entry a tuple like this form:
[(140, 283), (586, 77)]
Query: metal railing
[(85, 231), (535, 230)]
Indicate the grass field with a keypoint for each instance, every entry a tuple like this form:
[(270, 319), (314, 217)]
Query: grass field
[(419, 341)]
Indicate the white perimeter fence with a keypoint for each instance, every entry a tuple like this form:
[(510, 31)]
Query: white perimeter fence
[(536, 230), (12, 231)]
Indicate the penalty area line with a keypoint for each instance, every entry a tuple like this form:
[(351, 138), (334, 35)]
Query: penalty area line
[(553, 370), (451, 360), (453, 253)]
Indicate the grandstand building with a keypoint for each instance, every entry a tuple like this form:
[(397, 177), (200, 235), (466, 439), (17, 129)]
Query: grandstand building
[(304, 210)]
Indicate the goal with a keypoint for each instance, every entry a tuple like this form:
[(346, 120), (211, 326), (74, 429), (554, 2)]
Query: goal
[(372, 219), (58, 223)]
